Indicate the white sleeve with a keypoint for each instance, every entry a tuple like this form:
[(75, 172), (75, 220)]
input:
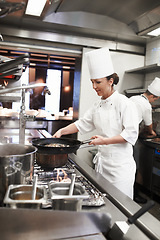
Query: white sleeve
[(147, 116), (130, 122), (86, 124)]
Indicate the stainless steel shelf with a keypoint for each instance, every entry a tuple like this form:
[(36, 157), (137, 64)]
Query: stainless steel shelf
[(145, 69)]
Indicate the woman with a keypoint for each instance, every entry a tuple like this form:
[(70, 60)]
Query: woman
[(116, 122)]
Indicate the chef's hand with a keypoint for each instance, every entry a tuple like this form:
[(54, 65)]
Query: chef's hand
[(154, 133), (151, 134), (58, 134), (98, 140)]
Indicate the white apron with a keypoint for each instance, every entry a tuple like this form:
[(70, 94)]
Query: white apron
[(114, 162)]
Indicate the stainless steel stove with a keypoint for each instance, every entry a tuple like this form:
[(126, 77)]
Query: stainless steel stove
[(96, 198)]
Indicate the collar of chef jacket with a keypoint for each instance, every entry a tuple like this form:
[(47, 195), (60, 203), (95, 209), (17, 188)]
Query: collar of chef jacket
[(145, 97), (109, 99)]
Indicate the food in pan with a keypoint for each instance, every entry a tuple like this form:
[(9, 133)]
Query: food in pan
[(57, 145)]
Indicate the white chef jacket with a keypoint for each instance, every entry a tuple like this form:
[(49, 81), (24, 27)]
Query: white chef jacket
[(110, 117), (144, 109)]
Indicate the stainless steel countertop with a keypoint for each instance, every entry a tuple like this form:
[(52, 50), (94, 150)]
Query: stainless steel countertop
[(123, 207)]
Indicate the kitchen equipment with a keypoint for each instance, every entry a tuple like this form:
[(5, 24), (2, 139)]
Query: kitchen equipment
[(10, 7), (61, 200), (16, 165), (71, 187), (49, 156), (120, 228), (23, 116), (149, 165), (20, 196), (9, 65), (155, 186), (14, 89), (51, 161), (34, 187), (70, 145), (63, 174), (53, 225), (11, 72)]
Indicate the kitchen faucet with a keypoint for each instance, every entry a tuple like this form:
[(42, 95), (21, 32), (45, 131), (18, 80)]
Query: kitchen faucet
[(23, 117)]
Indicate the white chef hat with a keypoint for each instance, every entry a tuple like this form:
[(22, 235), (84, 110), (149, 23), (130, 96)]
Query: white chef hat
[(99, 63), (154, 87)]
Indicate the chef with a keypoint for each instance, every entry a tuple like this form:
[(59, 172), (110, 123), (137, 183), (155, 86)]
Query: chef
[(144, 108), (115, 119)]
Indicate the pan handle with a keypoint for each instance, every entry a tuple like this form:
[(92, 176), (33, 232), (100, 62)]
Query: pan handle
[(142, 210), (86, 141)]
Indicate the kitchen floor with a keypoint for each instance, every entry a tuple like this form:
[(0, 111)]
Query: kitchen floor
[(155, 210)]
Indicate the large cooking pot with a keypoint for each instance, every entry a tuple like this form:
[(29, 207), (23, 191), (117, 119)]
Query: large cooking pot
[(53, 152), (16, 165)]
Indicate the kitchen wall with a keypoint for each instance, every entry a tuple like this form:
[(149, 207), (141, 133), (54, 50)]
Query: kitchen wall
[(122, 62), (152, 57), (153, 51)]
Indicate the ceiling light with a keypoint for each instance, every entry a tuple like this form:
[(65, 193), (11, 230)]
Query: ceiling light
[(35, 7), (155, 32)]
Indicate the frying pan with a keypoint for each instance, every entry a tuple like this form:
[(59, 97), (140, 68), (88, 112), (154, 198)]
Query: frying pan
[(53, 157), (72, 145)]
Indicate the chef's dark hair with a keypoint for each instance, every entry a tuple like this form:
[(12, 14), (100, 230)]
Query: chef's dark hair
[(115, 78), (149, 93)]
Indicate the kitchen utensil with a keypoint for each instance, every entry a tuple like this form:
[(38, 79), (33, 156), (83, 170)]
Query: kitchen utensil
[(20, 196), (120, 227), (51, 161), (34, 187), (71, 187), (61, 200), (16, 165), (70, 145)]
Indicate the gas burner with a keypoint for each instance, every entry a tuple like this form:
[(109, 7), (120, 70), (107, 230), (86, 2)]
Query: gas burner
[(64, 174), (57, 175), (95, 196)]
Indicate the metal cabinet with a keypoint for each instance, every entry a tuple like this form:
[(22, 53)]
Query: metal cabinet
[(146, 158)]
